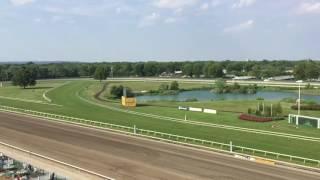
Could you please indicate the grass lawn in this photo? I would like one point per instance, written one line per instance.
(150, 85)
(30, 93)
(72, 105)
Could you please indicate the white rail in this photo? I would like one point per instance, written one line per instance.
(56, 161)
(170, 137)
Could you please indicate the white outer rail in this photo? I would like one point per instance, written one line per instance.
(56, 161)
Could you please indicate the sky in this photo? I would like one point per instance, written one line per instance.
(159, 30)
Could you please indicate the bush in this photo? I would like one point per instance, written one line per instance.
(260, 98)
(191, 100)
(311, 107)
(277, 110)
(174, 85)
(253, 118)
(117, 91)
(163, 87)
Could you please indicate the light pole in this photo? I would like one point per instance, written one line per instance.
(299, 100)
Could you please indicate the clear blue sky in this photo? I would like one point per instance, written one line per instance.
(112, 30)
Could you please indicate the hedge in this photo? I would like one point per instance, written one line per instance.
(312, 107)
(248, 117)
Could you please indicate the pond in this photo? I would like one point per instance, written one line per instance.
(206, 95)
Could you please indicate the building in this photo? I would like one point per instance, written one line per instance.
(244, 77)
(282, 78)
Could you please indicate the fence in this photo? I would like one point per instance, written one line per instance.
(77, 169)
(188, 141)
(304, 120)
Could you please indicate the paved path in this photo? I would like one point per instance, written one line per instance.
(124, 157)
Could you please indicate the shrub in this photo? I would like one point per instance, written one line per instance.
(117, 91)
(248, 117)
(174, 85)
(163, 87)
(260, 98)
(311, 107)
(191, 100)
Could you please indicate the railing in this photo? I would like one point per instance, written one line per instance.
(212, 145)
(78, 169)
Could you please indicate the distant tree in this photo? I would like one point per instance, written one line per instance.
(163, 87)
(117, 91)
(24, 77)
(235, 86)
(138, 69)
(214, 70)
(188, 69)
(3, 75)
(312, 70)
(100, 73)
(306, 70)
(150, 69)
(174, 85)
(220, 86)
(197, 69)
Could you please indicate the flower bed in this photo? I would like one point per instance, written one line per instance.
(249, 117)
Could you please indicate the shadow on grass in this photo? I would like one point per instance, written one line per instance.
(34, 88)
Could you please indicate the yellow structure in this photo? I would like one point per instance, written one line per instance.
(128, 102)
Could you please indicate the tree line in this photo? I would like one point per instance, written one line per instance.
(305, 70)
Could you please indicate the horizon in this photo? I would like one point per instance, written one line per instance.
(144, 61)
(158, 30)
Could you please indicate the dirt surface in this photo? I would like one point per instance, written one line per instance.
(123, 157)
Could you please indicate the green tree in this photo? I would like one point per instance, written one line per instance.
(312, 70)
(163, 87)
(174, 85)
(24, 76)
(100, 73)
(188, 69)
(117, 91)
(220, 86)
(214, 70)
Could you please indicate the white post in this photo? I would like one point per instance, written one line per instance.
(185, 117)
(134, 129)
(289, 119)
(318, 123)
(299, 99)
(231, 146)
(297, 120)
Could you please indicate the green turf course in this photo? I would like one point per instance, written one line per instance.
(30, 93)
(72, 105)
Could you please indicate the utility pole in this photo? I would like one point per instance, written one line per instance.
(299, 100)
(111, 72)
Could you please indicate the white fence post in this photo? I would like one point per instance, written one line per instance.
(231, 150)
